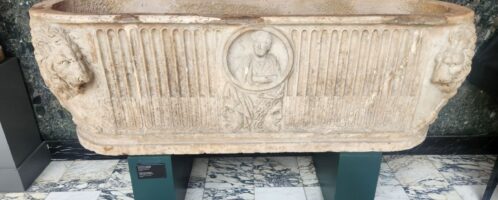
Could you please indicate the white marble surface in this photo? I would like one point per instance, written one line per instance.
(230, 172)
(246, 193)
(275, 178)
(420, 178)
(410, 170)
(287, 193)
(119, 178)
(24, 196)
(90, 195)
(474, 192)
(87, 175)
(54, 171)
(391, 192)
(313, 193)
(194, 194)
(116, 194)
(388, 186)
(436, 188)
(199, 173)
(464, 169)
(307, 171)
(276, 172)
(90, 170)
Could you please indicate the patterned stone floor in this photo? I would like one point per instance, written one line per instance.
(455, 177)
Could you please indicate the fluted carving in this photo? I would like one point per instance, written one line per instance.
(303, 77)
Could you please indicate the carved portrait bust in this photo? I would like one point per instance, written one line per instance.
(258, 62)
(262, 67)
(258, 59)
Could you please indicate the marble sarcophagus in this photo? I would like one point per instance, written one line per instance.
(236, 76)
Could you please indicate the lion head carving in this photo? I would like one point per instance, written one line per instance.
(61, 63)
(453, 64)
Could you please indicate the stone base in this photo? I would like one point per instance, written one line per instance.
(233, 144)
(20, 178)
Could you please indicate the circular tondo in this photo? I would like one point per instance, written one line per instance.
(257, 58)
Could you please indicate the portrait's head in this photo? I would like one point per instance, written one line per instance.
(262, 42)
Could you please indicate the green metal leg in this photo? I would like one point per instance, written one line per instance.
(159, 177)
(348, 176)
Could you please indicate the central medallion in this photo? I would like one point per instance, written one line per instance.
(257, 63)
(258, 58)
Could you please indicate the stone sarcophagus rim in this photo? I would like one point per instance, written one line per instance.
(190, 77)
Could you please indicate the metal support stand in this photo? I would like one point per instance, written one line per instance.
(160, 177)
(348, 176)
(342, 176)
(23, 154)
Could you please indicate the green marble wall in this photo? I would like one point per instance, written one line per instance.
(54, 121)
(470, 112)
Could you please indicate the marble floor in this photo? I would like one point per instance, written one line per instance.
(453, 177)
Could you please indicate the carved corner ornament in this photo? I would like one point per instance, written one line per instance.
(454, 62)
(257, 64)
(62, 64)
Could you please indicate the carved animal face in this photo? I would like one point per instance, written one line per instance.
(449, 67)
(61, 62)
(232, 120)
(454, 62)
(68, 65)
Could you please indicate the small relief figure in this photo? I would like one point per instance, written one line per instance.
(256, 111)
(453, 64)
(61, 62)
(252, 111)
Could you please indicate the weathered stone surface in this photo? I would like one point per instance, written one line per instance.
(250, 76)
(471, 112)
